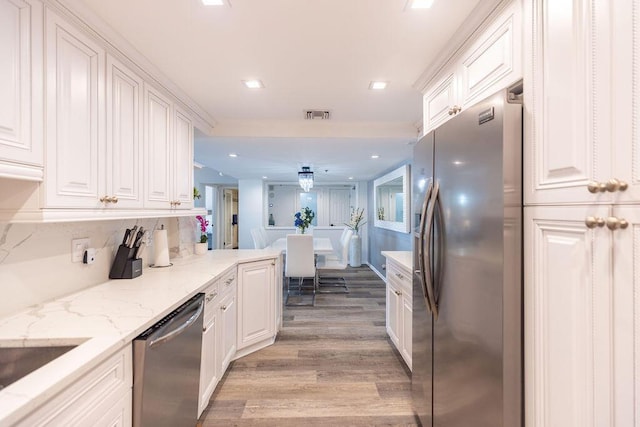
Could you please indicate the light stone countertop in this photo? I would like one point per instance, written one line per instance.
(103, 319)
(404, 258)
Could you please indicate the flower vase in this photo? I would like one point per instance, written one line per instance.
(201, 248)
(355, 251)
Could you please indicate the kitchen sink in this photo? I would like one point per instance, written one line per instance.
(17, 362)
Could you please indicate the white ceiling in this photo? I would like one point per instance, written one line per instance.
(318, 54)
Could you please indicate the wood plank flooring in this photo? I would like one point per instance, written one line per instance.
(331, 365)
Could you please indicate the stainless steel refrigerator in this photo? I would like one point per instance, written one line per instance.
(467, 286)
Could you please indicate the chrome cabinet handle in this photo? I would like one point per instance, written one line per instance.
(114, 199)
(397, 293)
(109, 199)
(614, 223)
(596, 187)
(223, 308)
(211, 296)
(593, 222)
(454, 110)
(399, 276)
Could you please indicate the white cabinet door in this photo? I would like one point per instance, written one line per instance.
(20, 85)
(227, 311)
(75, 112)
(124, 148)
(567, 100)
(208, 365)
(439, 102)
(493, 62)
(183, 161)
(407, 322)
(394, 307)
(626, 335)
(625, 77)
(568, 318)
(158, 149)
(256, 294)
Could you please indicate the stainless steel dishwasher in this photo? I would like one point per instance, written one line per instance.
(166, 368)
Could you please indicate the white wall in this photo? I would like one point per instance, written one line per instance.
(250, 210)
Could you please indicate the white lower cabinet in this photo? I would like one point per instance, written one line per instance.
(399, 308)
(208, 364)
(570, 326)
(226, 332)
(101, 398)
(256, 293)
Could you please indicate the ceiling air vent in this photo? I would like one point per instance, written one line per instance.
(317, 115)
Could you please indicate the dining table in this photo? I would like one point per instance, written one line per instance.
(321, 245)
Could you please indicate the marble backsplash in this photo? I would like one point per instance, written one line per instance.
(35, 259)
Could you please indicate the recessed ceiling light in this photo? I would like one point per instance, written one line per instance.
(220, 173)
(378, 85)
(264, 177)
(375, 156)
(350, 177)
(253, 84)
(215, 2)
(419, 4)
(233, 155)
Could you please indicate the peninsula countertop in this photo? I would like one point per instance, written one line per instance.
(102, 319)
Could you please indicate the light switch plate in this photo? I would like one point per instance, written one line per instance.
(78, 246)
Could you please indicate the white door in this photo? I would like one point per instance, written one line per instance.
(124, 148)
(230, 234)
(568, 317)
(75, 105)
(339, 207)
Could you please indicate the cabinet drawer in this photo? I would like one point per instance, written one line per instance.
(400, 276)
(228, 280)
(91, 398)
(211, 297)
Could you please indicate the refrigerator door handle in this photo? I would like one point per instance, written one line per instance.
(427, 262)
(421, 255)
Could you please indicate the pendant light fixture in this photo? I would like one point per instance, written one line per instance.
(305, 178)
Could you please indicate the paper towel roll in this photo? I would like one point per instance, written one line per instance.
(160, 249)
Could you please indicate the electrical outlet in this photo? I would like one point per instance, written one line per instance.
(78, 246)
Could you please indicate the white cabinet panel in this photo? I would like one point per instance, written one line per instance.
(21, 86)
(124, 151)
(226, 346)
(208, 365)
(101, 398)
(183, 164)
(567, 99)
(626, 336)
(394, 307)
(75, 105)
(439, 101)
(407, 329)
(158, 149)
(568, 315)
(256, 294)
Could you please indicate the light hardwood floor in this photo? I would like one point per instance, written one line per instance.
(331, 365)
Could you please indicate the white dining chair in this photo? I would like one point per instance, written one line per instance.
(333, 283)
(258, 239)
(263, 236)
(300, 264)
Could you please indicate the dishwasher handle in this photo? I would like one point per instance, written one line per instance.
(180, 329)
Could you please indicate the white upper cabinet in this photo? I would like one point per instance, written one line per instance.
(168, 153)
(487, 64)
(21, 141)
(75, 112)
(183, 165)
(158, 149)
(124, 148)
(581, 96)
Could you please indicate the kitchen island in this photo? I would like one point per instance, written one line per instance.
(102, 320)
